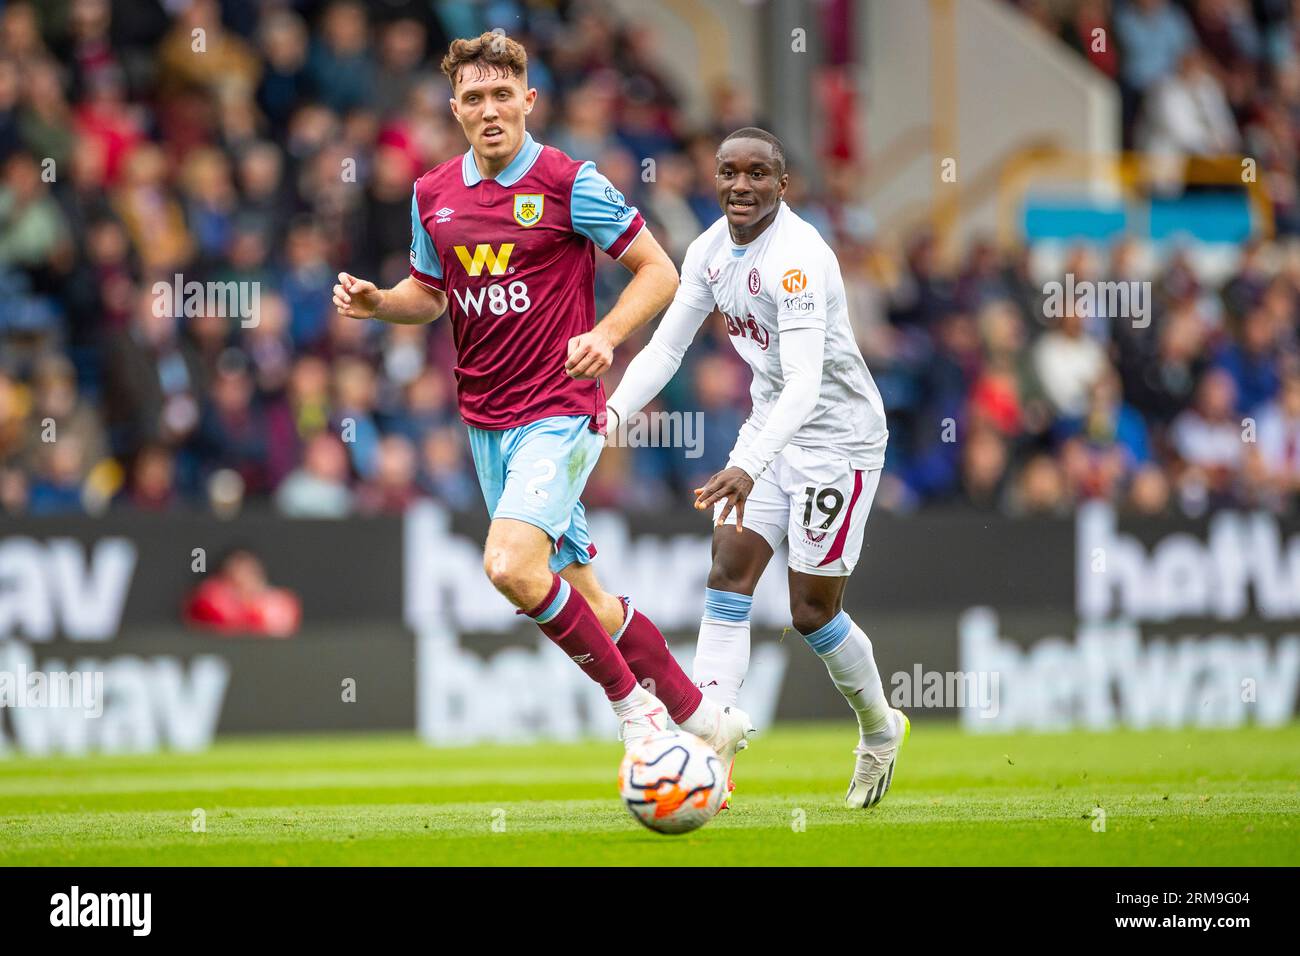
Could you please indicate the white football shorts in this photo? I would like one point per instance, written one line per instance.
(819, 502)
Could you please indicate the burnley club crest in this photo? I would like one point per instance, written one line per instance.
(528, 208)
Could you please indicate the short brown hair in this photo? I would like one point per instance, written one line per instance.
(487, 50)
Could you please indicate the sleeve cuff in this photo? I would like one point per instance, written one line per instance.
(427, 280)
(751, 467)
(619, 245)
(799, 324)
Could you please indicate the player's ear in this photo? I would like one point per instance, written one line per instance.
(529, 99)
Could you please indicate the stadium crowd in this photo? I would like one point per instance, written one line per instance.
(285, 151)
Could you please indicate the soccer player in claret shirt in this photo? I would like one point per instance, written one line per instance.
(504, 238)
(808, 459)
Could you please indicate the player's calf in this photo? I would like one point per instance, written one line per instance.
(847, 653)
(724, 728)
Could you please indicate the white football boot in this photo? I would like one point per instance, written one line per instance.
(731, 736)
(649, 717)
(874, 771)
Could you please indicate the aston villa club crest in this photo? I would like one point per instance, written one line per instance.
(528, 208)
(754, 282)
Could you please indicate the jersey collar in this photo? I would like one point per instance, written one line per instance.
(739, 252)
(522, 162)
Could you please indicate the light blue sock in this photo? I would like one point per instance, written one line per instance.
(846, 652)
(722, 651)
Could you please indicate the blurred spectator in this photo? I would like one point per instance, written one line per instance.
(1187, 114)
(33, 231)
(57, 477)
(1208, 439)
(1278, 444)
(238, 599)
(234, 430)
(353, 418)
(15, 409)
(1088, 29)
(153, 480)
(1149, 493)
(443, 474)
(984, 473)
(392, 489)
(341, 70)
(59, 413)
(1068, 362)
(153, 217)
(283, 41)
(319, 488)
(155, 383)
(1253, 362)
(1161, 30)
(1040, 489)
(226, 59)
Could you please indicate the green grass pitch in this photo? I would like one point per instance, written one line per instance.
(1185, 797)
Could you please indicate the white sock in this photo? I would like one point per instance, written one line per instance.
(703, 723)
(722, 651)
(639, 700)
(846, 652)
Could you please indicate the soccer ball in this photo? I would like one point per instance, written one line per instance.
(672, 782)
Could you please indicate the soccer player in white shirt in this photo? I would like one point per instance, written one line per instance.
(807, 462)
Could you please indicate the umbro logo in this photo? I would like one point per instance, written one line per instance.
(444, 214)
(582, 658)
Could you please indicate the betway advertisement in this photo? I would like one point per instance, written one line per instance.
(1093, 621)
(96, 655)
(1195, 626)
(1007, 625)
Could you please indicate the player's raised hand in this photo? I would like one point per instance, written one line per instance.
(357, 298)
(733, 484)
(590, 355)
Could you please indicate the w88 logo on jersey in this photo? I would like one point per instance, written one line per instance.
(497, 299)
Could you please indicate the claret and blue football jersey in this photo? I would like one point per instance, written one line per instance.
(515, 256)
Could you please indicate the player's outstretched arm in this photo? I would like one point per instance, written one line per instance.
(407, 303)
(656, 364)
(802, 353)
(654, 280)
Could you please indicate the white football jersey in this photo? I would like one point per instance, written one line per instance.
(788, 278)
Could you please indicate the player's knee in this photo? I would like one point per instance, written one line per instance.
(724, 577)
(509, 574)
(810, 615)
